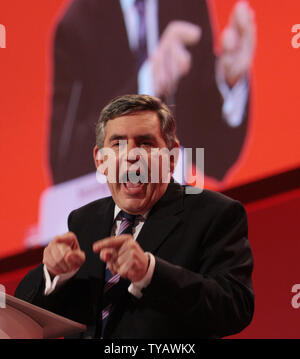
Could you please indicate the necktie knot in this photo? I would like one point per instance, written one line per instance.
(127, 223)
(128, 217)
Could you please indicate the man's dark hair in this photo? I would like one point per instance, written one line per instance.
(130, 104)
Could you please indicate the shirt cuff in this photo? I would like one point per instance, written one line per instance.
(145, 79)
(135, 288)
(57, 281)
(235, 99)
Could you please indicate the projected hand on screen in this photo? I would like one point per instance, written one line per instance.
(238, 42)
(172, 60)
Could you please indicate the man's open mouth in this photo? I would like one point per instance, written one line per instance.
(133, 182)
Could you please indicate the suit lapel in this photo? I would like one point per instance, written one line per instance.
(101, 228)
(155, 231)
(104, 218)
(162, 219)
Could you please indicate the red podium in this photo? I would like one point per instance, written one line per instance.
(22, 320)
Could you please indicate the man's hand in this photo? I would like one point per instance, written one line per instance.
(238, 43)
(171, 59)
(124, 256)
(63, 255)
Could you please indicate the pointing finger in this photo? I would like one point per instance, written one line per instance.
(110, 242)
(69, 239)
(107, 254)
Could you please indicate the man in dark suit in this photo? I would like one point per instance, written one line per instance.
(183, 270)
(94, 62)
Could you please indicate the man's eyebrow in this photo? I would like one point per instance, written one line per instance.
(117, 137)
(146, 136)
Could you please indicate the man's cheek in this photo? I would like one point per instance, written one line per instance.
(161, 168)
(154, 168)
(108, 164)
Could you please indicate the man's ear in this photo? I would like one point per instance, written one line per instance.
(174, 159)
(98, 158)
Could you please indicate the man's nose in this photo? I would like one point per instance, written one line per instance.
(133, 153)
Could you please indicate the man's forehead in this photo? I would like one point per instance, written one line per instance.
(141, 116)
(144, 123)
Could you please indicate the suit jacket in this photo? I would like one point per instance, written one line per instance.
(201, 286)
(93, 63)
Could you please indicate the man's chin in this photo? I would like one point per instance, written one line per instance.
(133, 206)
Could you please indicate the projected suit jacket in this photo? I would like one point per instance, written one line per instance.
(201, 286)
(93, 63)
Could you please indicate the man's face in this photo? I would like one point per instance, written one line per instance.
(139, 131)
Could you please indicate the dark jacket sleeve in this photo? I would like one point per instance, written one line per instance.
(218, 299)
(32, 286)
(72, 299)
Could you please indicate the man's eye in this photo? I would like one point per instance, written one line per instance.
(119, 144)
(146, 144)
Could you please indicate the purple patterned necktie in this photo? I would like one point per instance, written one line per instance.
(111, 280)
(141, 52)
